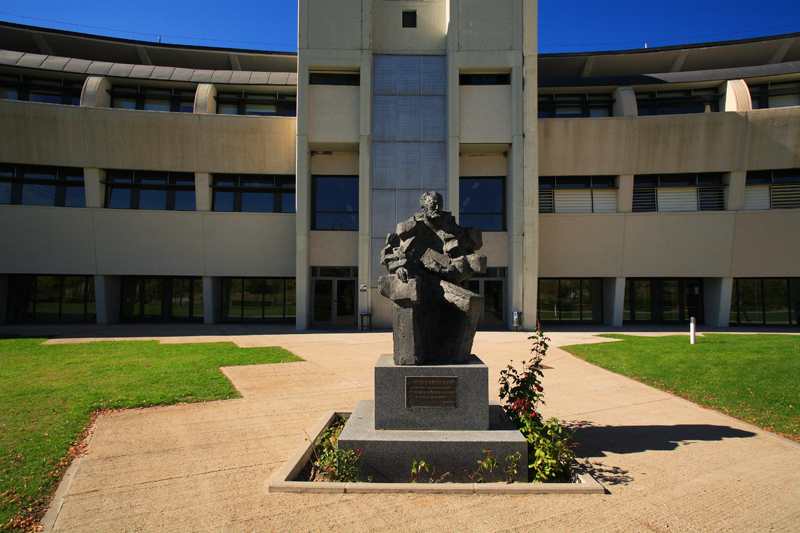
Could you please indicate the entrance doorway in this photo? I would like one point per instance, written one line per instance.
(492, 288)
(663, 301)
(334, 298)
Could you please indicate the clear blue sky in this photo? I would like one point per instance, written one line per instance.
(576, 26)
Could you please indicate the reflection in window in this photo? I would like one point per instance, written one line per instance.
(570, 300)
(42, 90)
(770, 95)
(767, 301)
(42, 186)
(50, 299)
(259, 299)
(161, 299)
(152, 98)
(575, 105)
(258, 104)
(149, 190)
(482, 203)
(253, 193)
(659, 300)
(335, 203)
(678, 102)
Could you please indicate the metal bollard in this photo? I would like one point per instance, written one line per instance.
(691, 330)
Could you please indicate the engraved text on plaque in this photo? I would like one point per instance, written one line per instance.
(431, 391)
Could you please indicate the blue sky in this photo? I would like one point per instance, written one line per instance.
(575, 26)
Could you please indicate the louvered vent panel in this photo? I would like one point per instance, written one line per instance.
(573, 201)
(644, 200)
(677, 199)
(604, 201)
(711, 198)
(756, 197)
(546, 201)
(786, 196)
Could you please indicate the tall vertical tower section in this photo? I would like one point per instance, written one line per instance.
(414, 124)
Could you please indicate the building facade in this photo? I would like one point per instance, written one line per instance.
(148, 182)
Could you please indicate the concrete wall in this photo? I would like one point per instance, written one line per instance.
(334, 248)
(705, 142)
(333, 114)
(489, 25)
(72, 136)
(389, 36)
(688, 244)
(53, 240)
(484, 113)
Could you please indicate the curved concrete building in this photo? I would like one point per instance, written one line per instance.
(152, 182)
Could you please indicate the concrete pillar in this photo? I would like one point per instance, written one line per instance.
(530, 169)
(734, 192)
(205, 101)
(3, 298)
(303, 196)
(515, 186)
(95, 92)
(717, 301)
(107, 290)
(202, 191)
(453, 139)
(93, 187)
(364, 184)
(735, 96)
(613, 300)
(624, 193)
(624, 103)
(212, 300)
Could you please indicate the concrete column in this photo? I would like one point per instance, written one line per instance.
(624, 193)
(717, 301)
(530, 170)
(202, 191)
(515, 187)
(3, 298)
(212, 299)
(453, 139)
(364, 183)
(624, 103)
(93, 188)
(107, 290)
(303, 233)
(205, 101)
(613, 300)
(735, 96)
(95, 92)
(734, 192)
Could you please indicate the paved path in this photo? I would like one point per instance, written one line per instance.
(667, 464)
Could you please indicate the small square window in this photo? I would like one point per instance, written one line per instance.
(409, 19)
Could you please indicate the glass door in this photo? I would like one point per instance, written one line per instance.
(335, 300)
(493, 293)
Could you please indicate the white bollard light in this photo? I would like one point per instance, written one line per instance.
(691, 330)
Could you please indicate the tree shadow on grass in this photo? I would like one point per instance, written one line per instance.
(596, 441)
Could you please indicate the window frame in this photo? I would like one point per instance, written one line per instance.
(25, 85)
(652, 103)
(284, 106)
(761, 93)
(139, 94)
(502, 213)
(335, 78)
(550, 103)
(136, 186)
(279, 186)
(61, 181)
(315, 209)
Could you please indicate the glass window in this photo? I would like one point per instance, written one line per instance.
(670, 300)
(335, 203)
(152, 98)
(482, 203)
(50, 298)
(571, 300)
(334, 78)
(162, 299)
(678, 102)
(776, 301)
(253, 193)
(42, 186)
(258, 299)
(575, 105)
(148, 190)
(257, 104)
(751, 301)
(641, 292)
(42, 90)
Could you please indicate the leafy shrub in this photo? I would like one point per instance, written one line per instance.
(331, 463)
(550, 452)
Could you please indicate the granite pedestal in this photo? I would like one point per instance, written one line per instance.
(439, 414)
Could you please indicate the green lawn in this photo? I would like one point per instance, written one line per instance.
(755, 378)
(49, 393)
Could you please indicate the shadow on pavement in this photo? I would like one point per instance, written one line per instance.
(596, 441)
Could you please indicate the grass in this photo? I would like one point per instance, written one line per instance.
(755, 378)
(49, 393)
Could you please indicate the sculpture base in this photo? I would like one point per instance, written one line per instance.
(388, 456)
(441, 397)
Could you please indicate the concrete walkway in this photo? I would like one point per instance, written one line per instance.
(667, 464)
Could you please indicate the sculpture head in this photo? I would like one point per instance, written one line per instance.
(431, 204)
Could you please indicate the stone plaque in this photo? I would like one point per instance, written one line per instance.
(431, 391)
